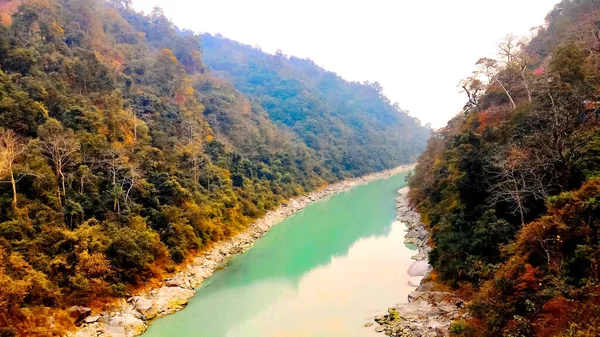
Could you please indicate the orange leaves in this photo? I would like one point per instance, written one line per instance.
(490, 118)
(554, 317)
(57, 29)
(94, 266)
(166, 54)
(516, 156)
(540, 232)
(246, 107)
(5, 19)
(41, 3)
(6, 10)
(528, 281)
(184, 93)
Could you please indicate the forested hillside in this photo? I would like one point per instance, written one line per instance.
(352, 126)
(121, 154)
(510, 189)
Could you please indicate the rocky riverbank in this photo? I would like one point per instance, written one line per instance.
(428, 312)
(130, 317)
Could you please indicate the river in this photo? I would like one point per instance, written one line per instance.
(324, 272)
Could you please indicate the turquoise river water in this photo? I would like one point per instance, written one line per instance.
(324, 272)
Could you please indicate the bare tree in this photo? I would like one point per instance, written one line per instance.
(114, 163)
(472, 86)
(523, 60)
(11, 148)
(84, 174)
(561, 126)
(508, 48)
(518, 53)
(489, 67)
(60, 146)
(516, 179)
(132, 179)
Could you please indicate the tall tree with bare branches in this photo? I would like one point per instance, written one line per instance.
(12, 147)
(495, 75)
(518, 53)
(61, 148)
(515, 180)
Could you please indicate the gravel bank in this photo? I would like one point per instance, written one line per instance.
(428, 312)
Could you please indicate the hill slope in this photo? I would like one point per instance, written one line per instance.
(121, 154)
(352, 126)
(510, 189)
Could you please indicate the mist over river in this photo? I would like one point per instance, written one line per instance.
(324, 272)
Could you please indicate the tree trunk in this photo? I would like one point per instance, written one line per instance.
(64, 189)
(134, 127)
(521, 210)
(526, 85)
(58, 174)
(127, 194)
(14, 187)
(512, 102)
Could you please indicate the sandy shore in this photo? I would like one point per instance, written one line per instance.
(131, 317)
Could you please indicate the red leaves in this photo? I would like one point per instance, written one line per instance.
(555, 317)
(528, 281)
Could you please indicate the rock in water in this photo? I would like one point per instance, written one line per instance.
(418, 268)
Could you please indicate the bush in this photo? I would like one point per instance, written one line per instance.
(461, 328)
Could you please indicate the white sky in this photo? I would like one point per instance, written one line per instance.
(418, 50)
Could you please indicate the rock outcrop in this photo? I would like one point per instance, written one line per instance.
(78, 313)
(428, 313)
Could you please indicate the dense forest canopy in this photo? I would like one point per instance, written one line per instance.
(352, 126)
(510, 189)
(121, 153)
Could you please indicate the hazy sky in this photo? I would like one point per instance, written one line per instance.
(418, 50)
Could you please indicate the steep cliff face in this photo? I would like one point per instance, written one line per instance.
(509, 188)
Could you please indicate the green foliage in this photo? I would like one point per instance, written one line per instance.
(461, 328)
(510, 193)
(137, 156)
(353, 127)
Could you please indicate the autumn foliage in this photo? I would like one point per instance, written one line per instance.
(122, 155)
(510, 188)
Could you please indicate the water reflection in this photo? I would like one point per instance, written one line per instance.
(338, 298)
(324, 272)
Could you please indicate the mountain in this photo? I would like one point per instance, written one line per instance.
(510, 188)
(352, 126)
(122, 153)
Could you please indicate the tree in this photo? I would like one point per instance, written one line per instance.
(11, 148)
(508, 48)
(518, 54)
(121, 4)
(515, 179)
(561, 123)
(61, 148)
(489, 67)
(115, 166)
(472, 86)
(132, 179)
